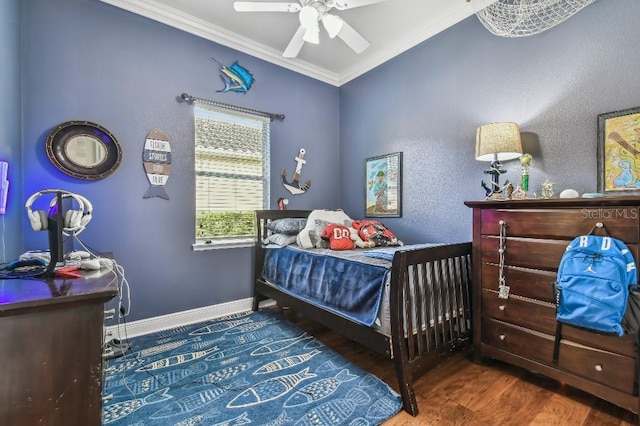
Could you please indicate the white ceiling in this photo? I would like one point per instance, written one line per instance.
(391, 27)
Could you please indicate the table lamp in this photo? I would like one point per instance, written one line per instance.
(497, 142)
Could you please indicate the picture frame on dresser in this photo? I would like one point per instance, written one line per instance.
(383, 185)
(618, 146)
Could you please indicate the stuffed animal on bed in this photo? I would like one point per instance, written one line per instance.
(376, 232)
(309, 236)
(342, 237)
(339, 237)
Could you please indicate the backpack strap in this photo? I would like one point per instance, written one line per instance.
(556, 343)
(637, 372)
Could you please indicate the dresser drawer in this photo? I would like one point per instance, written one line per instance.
(525, 252)
(621, 222)
(526, 282)
(624, 345)
(530, 252)
(527, 313)
(518, 340)
(607, 368)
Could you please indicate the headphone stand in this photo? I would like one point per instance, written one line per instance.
(55, 223)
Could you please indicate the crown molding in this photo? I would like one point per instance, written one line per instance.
(192, 25)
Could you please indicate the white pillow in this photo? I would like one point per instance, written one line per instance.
(330, 216)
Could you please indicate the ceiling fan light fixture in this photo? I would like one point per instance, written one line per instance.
(311, 36)
(308, 17)
(333, 24)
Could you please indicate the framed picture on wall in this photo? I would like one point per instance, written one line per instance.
(383, 186)
(618, 151)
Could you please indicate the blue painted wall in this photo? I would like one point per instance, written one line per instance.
(86, 60)
(10, 126)
(429, 101)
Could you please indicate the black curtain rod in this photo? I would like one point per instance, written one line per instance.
(272, 116)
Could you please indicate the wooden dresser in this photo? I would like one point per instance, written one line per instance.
(51, 336)
(520, 329)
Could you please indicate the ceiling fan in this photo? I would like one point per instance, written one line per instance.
(311, 13)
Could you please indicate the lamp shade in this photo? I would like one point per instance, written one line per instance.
(499, 141)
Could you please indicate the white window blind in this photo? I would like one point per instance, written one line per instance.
(231, 174)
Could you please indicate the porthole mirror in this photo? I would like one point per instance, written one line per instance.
(83, 150)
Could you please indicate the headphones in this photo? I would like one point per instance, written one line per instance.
(74, 220)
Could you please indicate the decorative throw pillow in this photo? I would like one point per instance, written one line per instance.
(372, 230)
(339, 237)
(280, 239)
(288, 226)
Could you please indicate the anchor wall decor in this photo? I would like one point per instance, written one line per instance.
(294, 186)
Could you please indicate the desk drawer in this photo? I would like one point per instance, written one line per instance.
(561, 224)
(527, 313)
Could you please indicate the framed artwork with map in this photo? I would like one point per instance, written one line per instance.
(619, 152)
(383, 186)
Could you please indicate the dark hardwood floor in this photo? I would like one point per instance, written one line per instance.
(461, 392)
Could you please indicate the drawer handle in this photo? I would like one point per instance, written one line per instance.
(502, 307)
(502, 337)
(598, 367)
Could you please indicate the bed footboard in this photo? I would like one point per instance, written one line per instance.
(430, 311)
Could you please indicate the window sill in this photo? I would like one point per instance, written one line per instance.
(223, 244)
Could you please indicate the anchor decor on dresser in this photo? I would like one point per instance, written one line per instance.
(497, 142)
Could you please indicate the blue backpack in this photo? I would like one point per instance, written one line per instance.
(592, 287)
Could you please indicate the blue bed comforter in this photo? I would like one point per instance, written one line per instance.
(345, 286)
(387, 253)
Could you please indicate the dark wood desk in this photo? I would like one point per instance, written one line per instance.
(51, 336)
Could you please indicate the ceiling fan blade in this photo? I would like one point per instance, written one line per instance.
(295, 44)
(353, 39)
(350, 4)
(260, 6)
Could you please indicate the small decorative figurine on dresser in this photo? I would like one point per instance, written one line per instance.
(547, 189)
(509, 190)
(519, 194)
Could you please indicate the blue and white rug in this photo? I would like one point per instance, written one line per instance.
(249, 368)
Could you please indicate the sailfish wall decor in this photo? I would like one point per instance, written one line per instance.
(294, 186)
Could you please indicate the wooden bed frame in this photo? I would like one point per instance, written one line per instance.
(448, 267)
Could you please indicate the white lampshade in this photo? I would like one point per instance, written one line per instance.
(499, 141)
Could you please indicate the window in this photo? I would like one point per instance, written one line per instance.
(231, 173)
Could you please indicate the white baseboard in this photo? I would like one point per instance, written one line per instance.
(179, 319)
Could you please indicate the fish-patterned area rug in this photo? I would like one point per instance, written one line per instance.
(248, 368)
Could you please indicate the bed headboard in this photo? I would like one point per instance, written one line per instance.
(262, 218)
(265, 216)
